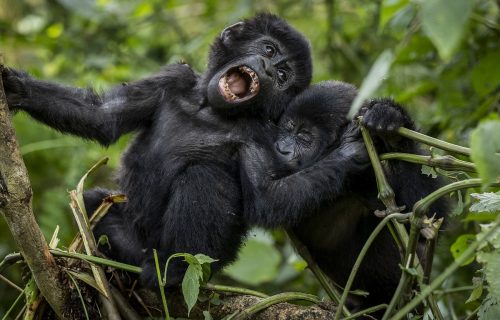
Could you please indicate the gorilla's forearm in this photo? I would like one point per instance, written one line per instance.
(83, 112)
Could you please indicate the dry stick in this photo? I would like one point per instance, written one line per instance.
(316, 270)
(15, 206)
(91, 248)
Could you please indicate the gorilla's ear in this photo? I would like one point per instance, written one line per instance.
(230, 31)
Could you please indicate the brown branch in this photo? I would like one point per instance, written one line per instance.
(15, 207)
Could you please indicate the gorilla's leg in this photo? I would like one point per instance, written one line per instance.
(203, 216)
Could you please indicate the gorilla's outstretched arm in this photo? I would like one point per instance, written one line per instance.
(85, 113)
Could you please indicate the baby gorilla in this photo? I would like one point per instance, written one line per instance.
(335, 221)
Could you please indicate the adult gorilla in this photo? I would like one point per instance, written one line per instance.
(181, 173)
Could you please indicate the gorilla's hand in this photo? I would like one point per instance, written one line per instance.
(383, 117)
(352, 148)
(15, 88)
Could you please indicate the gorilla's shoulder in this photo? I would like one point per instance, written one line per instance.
(179, 76)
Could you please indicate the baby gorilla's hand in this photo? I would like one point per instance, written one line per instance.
(352, 148)
(15, 90)
(383, 117)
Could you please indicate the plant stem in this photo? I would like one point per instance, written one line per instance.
(366, 311)
(279, 298)
(419, 210)
(385, 192)
(362, 254)
(445, 162)
(221, 288)
(467, 254)
(161, 285)
(440, 144)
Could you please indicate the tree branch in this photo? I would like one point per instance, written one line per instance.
(15, 207)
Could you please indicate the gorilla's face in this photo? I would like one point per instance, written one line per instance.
(300, 142)
(251, 69)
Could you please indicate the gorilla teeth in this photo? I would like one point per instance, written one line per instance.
(245, 74)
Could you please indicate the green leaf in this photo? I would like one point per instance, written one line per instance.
(191, 285)
(204, 258)
(459, 208)
(488, 202)
(207, 315)
(372, 81)
(257, 263)
(428, 171)
(460, 245)
(484, 143)
(388, 9)
(444, 21)
(477, 291)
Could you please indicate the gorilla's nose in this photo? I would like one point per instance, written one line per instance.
(284, 147)
(268, 68)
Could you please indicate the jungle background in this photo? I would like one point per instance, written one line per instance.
(446, 70)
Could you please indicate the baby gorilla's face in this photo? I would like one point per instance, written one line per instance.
(299, 143)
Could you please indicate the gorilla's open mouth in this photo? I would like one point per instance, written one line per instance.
(239, 84)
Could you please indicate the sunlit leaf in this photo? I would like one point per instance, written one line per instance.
(445, 22)
(489, 309)
(191, 285)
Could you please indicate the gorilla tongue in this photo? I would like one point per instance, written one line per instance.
(236, 83)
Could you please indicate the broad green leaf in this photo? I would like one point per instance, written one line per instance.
(257, 263)
(492, 271)
(484, 143)
(460, 245)
(191, 285)
(388, 9)
(488, 202)
(489, 309)
(486, 74)
(445, 21)
(373, 80)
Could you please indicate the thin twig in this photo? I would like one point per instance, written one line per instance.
(10, 283)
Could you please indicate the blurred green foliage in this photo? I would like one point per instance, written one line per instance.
(446, 70)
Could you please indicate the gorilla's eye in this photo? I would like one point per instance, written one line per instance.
(281, 76)
(305, 136)
(270, 51)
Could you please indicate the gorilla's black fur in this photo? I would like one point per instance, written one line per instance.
(181, 172)
(332, 211)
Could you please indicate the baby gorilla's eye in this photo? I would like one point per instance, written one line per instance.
(305, 136)
(281, 76)
(270, 51)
